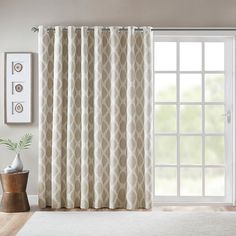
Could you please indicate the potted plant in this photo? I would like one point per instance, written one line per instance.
(23, 144)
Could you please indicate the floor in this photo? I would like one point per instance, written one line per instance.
(11, 223)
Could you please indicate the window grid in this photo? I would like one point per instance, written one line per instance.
(189, 134)
(178, 134)
(178, 119)
(191, 165)
(190, 103)
(187, 72)
(203, 119)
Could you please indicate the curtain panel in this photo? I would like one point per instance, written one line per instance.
(95, 117)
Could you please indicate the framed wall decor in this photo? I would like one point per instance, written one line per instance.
(18, 88)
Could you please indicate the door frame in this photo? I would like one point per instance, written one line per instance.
(231, 35)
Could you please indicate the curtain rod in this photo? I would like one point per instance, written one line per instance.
(36, 29)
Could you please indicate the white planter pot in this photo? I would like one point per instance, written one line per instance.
(16, 165)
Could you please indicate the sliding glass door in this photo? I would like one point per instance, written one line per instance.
(193, 118)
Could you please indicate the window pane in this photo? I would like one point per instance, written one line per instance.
(214, 119)
(190, 56)
(166, 181)
(187, 145)
(214, 56)
(165, 87)
(190, 118)
(214, 150)
(190, 87)
(165, 56)
(165, 118)
(214, 181)
(165, 150)
(191, 181)
(214, 87)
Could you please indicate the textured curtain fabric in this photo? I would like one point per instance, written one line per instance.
(95, 117)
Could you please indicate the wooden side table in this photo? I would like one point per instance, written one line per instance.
(14, 197)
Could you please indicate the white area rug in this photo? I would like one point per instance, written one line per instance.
(125, 223)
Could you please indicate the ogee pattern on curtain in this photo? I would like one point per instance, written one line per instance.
(95, 118)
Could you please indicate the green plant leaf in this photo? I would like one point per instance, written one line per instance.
(9, 144)
(25, 142)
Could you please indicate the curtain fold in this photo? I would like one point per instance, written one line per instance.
(95, 118)
(98, 165)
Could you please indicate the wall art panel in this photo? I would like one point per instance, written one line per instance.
(18, 87)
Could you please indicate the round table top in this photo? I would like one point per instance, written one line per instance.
(16, 173)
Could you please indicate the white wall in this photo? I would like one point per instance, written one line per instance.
(17, 17)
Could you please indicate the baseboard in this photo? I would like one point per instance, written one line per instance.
(33, 199)
(192, 204)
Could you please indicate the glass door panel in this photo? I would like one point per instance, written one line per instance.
(192, 121)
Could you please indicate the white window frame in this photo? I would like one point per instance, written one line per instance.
(213, 34)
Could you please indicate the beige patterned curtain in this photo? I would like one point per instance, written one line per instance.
(95, 117)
